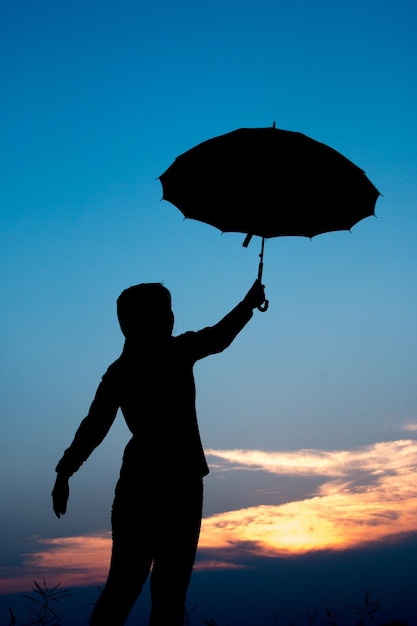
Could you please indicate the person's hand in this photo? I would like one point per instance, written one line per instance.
(256, 295)
(60, 495)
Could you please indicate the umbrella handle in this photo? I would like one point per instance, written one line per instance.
(262, 307)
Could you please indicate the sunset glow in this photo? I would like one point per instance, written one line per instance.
(332, 520)
(75, 561)
(367, 495)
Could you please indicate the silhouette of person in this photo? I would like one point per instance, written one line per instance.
(157, 508)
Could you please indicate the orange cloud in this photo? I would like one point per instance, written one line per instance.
(337, 518)
(74, 561)
(367, 495)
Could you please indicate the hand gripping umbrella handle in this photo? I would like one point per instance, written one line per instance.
(262, 307)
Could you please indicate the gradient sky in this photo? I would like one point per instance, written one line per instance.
(310, 418)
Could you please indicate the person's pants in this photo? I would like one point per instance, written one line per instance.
(155, 527)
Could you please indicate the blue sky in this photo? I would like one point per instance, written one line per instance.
(98, 99)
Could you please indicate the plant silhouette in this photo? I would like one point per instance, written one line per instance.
(157, 508)
(42, 603)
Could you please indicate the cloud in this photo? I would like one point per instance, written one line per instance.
(371, 459)
(74, 561)
(410, 425)
(367, 495)
(335, 519)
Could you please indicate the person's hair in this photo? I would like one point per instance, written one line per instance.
(144, 307)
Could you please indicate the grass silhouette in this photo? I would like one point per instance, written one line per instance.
(42, 606)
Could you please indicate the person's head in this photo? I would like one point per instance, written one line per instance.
(145, 311)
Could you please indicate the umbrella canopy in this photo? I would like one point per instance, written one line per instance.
(269, 182)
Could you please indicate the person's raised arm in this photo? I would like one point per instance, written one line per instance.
(218, 337)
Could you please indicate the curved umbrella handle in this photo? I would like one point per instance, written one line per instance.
(263, 307)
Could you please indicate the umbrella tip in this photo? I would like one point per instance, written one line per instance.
(274, 124)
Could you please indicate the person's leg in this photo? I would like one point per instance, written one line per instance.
(176, 547)
(128, 573)
(130, 563)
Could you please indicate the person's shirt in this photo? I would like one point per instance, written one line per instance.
(153, 384)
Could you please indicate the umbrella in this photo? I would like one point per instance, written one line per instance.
(271, 183)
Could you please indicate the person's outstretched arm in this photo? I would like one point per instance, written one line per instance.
(89, 435)
(217, 338)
